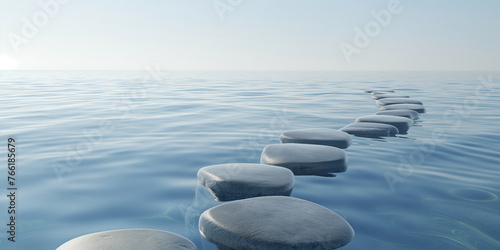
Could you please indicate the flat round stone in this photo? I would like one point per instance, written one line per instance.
(274, 223)
(402, 123)
(416, 107)
(236, 181)
(129, 239)
(390, 101)
(320, 136)
(379, 91)
(306, 159)
(411, 114)
(382, 96)
(370, 129)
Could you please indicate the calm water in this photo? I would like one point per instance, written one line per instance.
(101, 150)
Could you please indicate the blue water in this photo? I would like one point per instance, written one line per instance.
(104, 150)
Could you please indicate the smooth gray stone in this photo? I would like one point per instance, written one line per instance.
(320, 136)
(236, 181)
(306, 159)
(391, 101)
(416, 107)
(369, 129)
(382, 92)
(402, 123)
(129, 239)
(400, 112)
(382, 96)
(378, 91)
(275, 222)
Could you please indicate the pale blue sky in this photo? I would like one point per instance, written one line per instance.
(254, 35)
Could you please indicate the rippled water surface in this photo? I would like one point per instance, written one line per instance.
(104, 150)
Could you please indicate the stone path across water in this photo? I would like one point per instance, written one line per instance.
(260, 214)
(257, 223)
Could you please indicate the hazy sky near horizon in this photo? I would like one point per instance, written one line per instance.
(250, 34)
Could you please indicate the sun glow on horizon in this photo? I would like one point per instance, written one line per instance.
(8, 63)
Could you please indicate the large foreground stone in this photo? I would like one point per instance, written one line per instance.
(402, 123)
(411, 114)
(274, 223)
(390, 101)
(416, 107)
(370, 129)
(382, 96)
(236, 181)
(306, 159)
(129, 239)
(320, 136)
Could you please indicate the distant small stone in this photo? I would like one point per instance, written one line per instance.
(416, 107)
(391, 101)
(129, 239)
(378, 91)
(382, 96)
(274, 223)
(382, 92)
(371, 130)
(236, 181)
(402, 123)
(411, 114)
(305, 159)
(320, 136)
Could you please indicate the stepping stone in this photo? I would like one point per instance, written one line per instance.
(370, 129)
(382, 92)
(416, 107)
(275, 222)
(378, 91)
(400, 112)
(320, 136)
(402, 123)
(391, 101)
(382, 96)
(236, 181)
(129, 239)
(306, 159)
